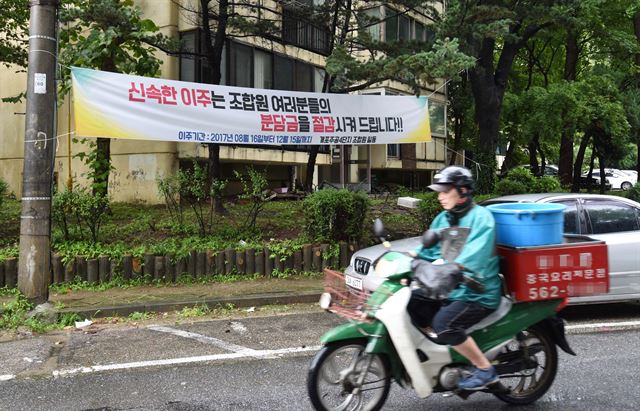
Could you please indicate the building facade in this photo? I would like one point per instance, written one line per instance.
(292, 58)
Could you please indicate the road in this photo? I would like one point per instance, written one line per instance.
(260, 363)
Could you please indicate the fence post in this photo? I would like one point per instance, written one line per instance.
(220, 262)
(70, 271)
(170, 267)
(229, 260)
(268, 262)
(191, 263)
(104, 268)
(251, 260)
(241, 263)
(307, 257)
(147, 269)
(181, 267)
(81, 268)
(159, 268)
(1, 274)
(92, 270)
(317, 259)
(201, 264)
(260, 262)
(344, 255)
(127, 267)
(210, 265)
(324, 250)
(58, 269)
(297, 261)
(11, 272)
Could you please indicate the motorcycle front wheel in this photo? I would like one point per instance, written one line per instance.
(344, 377)
(532, 382)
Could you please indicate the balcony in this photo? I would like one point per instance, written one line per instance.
(297, 31)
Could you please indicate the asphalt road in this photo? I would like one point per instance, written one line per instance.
(261, 364)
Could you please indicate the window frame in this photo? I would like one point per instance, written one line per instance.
(589, 223)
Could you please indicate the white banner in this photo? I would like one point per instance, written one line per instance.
(122, 106)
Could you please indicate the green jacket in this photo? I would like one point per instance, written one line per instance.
(478, 254)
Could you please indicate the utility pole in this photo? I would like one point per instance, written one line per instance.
(39, 151)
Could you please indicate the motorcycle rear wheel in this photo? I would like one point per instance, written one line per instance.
(332, 382)
(530, 384)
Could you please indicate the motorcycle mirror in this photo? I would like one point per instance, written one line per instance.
(430, 238)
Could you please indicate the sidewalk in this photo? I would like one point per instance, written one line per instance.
(122, 302)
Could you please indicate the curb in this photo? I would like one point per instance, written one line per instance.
(248, 301)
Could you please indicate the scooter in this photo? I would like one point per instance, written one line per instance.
(354, 368)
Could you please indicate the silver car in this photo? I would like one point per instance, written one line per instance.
(614, 220)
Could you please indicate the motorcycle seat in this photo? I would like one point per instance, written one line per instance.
(501, 311)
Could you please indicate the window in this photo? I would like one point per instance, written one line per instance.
(299, 31)
(367, 21)
(393, 150)
(262, 69)
(609, 216)
(241, 67)
(195, 68)
(571, 216)
(284, 67)
(400, 27)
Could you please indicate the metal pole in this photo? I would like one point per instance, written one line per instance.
(35, 249)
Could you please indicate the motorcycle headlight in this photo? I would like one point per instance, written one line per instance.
(384, 268)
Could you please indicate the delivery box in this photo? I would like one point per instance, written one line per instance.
(577, 267)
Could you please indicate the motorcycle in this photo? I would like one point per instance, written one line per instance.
(354, 368)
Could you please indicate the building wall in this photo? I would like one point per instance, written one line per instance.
(138, 164)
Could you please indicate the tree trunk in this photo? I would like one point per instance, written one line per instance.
(565, 163)
(457, 140)
(575, 187)
(214, 46)
(102, 167)
(509, 160)
(328, 81)
(636, 29)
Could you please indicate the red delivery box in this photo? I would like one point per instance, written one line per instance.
(577, 267)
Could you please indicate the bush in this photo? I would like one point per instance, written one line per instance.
(547, 184)
(4, 188)
(73, 211)
(428, 208)
(334, 215)
(520, 181)
(634, 193)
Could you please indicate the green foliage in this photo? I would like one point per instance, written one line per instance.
(11, 251)
(4, 189)
(139, 316)
(334, 215)
(254, 190)
(428, 208)
(634, 193)
(169, 189)
(520, 180)
(195, 311)
(75, 211)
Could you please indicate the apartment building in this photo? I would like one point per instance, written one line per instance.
(290, 59)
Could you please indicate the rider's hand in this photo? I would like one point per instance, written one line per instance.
(413, 253)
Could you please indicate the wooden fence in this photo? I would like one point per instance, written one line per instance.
(197, 264)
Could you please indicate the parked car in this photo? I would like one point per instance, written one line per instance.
(549, 169)
(617, 178)
(633, 173)
(614, 220)
(595, 183)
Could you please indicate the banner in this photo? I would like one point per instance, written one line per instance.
(122, 106)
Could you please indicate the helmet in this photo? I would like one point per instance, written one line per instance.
(455, 176)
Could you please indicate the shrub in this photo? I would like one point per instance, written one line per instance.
(78, 209)
(547, 184)
(334, 215)
(4, 188)
(634, 193)
(507, 187)
(254, 189)
(428, 208)
(520, 181)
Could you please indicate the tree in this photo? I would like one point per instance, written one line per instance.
(14, 33)
(494, 32)
(108, 35)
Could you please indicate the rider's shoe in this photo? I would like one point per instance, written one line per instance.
(479, 379)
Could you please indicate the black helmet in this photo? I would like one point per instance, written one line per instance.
(455, 176)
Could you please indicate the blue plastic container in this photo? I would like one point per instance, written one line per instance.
(528, 224)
